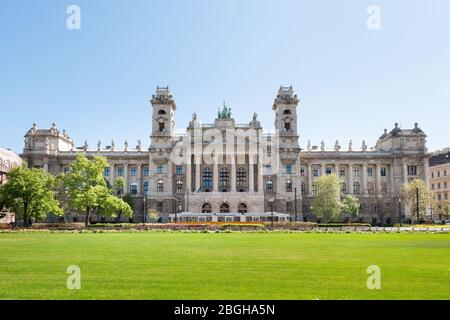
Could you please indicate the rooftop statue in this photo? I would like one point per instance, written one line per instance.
(225, 113)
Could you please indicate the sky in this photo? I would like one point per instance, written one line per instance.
(352, 81)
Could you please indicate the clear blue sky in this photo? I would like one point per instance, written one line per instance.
(352, 82)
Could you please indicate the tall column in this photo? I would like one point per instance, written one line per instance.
(112, 172)
(309, 180)
(336, 170)
(392, 188)
(350, 179)
(188, 177)
(364, 179)
(378, 178)
(251, 175)
(216, 175)
(139, 178)
(260, 167)
(323, 169)
(125, 178)
(405, 172)
(197, 175)
(46, 165)
(425, 173)
(233, 173)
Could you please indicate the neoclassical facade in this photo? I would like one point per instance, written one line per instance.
(227, 167)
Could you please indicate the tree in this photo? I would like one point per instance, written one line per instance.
(445, 209)
(410, 195)
(116, 207)
(327, 204)
(350, 205)
(88, 189)
(118, 186)
(154, 215)
(125, 210)
(30, 193)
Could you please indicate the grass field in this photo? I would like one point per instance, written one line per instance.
(224, 265)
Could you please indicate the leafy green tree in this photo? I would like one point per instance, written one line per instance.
(88, 190)
(445, 209)
(118, 186)
(30, 193)
(350, 205)
(116, 207)
(327, 203)
(425, 197)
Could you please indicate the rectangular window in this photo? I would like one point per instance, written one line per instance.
(370, 172)
(383, 172)
(146, 171)
(134, 172)
(160, 169)
(179, 170)
(328, 171)
(289, 168)
(67, 169)
(106, 171)
(412, 170)
(120, 171)
(302, 172)
(315, 172)
(356, 172)
(342, 172)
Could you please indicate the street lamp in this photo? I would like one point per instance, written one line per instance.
(400, 210)
(271, 210)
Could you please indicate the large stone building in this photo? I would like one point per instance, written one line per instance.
(440, 179)
(8, 160)
(225, 167)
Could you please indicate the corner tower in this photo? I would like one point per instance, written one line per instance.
(163, 115)
(285, 107)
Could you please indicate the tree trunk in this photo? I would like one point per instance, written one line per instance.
(88, 217)
(25, 215)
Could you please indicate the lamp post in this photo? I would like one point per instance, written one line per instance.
(400, 210)
(418, 204)
(271, 210)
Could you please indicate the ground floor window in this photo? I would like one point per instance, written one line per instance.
(224, 208)
(206, 208)
(242, 208)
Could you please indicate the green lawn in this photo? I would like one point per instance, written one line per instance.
(224, 265)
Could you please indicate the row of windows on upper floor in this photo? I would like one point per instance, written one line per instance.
(437, 174)
(316, 171)
(120, 171)
(442, 196)
(439, 186)
(356, 188)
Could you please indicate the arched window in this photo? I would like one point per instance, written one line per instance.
(224, 208)
(303, 188)
(287, 112)
(133, 188)
(159, 186)
(161, 112)
(146, 187)
(242, 208)
(343, 187)
(269, 186)
(206, 208)
(180, 187)
(224, 179)
(287, 124)
(289, 185)
(356, 188)
(207, 179)
(241, 179)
